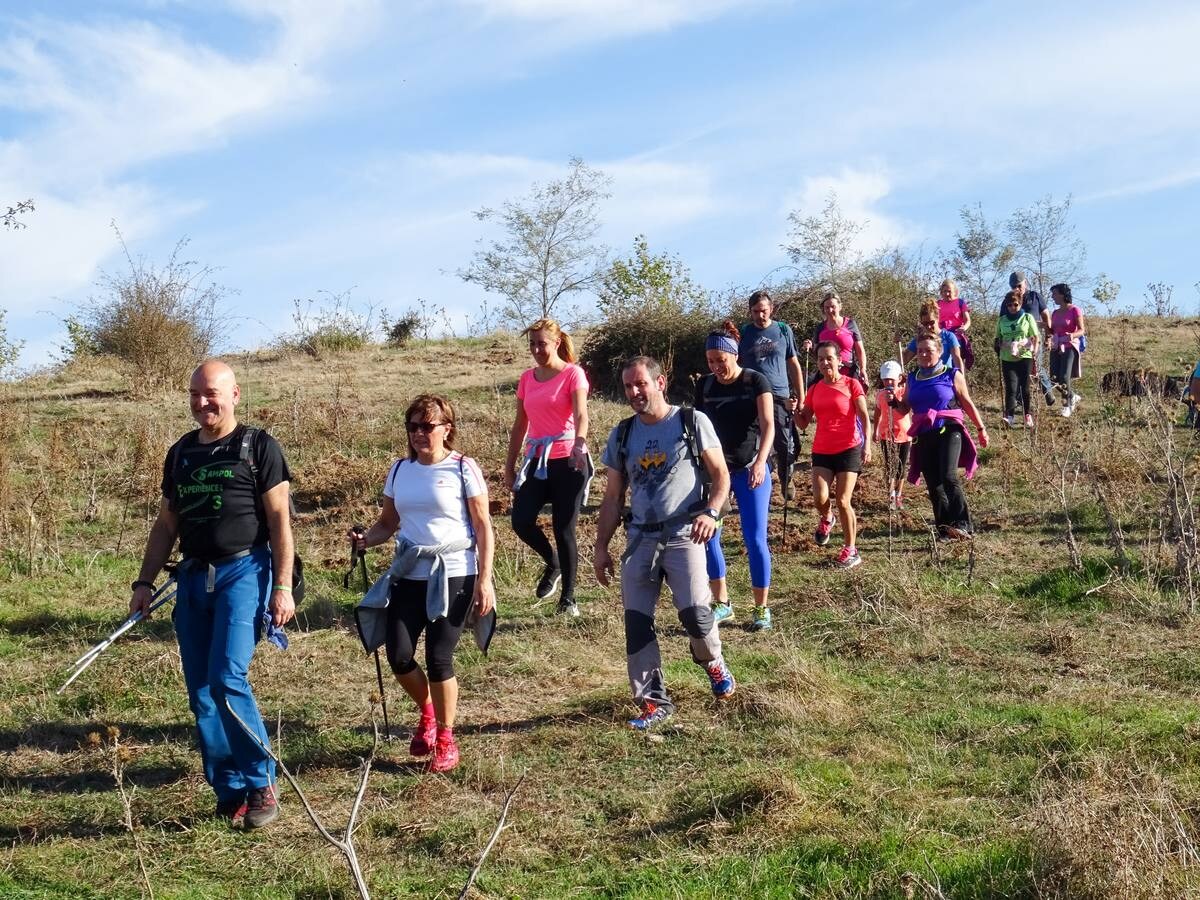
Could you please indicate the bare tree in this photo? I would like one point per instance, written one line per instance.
(8, 218)
(822, 246)
(981, 259)
(1159, 299)
(1046, 246)
(548, 250)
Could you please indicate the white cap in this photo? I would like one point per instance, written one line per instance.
(890, 369)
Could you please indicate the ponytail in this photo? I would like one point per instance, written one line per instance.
(566, 346)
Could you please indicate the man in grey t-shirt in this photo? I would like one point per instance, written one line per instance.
(671, 520)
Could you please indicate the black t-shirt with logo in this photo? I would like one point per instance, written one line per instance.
(216, 495)
(733, 409)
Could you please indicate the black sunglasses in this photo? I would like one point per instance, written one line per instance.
(423, 427)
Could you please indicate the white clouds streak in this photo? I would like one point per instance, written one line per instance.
(605, 18)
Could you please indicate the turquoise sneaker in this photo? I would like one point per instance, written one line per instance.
(722, 611)
(762, 619)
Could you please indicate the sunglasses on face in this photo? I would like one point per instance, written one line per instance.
(423, 427)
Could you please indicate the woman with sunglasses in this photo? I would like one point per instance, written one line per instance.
(555, 467)
(438, 500)
(951, 350)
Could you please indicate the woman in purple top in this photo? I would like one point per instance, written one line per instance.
(1067, 330)
(938, 397)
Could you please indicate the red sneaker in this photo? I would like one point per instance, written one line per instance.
(445, 752)
(424, 736)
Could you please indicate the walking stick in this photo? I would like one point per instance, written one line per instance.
(358, 558)
(164, 594)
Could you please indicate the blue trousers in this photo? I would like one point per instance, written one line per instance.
(752, 510)
(217, 631)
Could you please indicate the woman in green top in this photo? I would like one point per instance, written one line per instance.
(1017, 342)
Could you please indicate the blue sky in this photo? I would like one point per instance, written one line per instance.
(308, 146)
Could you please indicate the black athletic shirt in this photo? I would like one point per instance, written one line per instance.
(733, 409)
(215, 494)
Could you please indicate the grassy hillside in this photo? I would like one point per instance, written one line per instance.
(937, 722)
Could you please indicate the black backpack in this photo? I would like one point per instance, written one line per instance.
(246, 454)
(687, 418)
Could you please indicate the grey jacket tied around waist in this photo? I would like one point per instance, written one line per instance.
(538, 449)
(372, 609)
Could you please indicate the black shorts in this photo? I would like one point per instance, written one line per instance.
(846, 461)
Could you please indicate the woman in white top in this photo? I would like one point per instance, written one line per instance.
(439, 502)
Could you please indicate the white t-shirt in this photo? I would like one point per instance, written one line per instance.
(432, 505)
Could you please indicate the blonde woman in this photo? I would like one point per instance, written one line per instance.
(548, 460)
(953, 316)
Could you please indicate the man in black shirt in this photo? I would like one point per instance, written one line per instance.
(225, 497)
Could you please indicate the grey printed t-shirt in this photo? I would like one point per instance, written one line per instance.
(663, 481)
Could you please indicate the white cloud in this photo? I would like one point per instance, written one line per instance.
(859, 193)
(1143, 186)
(595, 19)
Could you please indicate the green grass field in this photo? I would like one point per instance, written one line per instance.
(936, 723)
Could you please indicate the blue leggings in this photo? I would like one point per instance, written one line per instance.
(752, 509)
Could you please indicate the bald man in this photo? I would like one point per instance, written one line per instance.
(225, 498)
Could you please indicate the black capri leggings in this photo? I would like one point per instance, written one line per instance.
(406, 620)
(563, 490)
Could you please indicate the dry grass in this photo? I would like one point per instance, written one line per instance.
(1117, 830)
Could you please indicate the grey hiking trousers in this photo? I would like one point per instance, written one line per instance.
(681, 564)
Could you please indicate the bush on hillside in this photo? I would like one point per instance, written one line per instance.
(674, 337)
(329, 326)
(398, 332)
(160, 321)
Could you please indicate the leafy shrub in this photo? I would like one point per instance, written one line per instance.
(331, 326)
(10, 351)
(673, 336)
(398, 332)
(159, 321)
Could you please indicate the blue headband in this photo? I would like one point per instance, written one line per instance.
(722, 342)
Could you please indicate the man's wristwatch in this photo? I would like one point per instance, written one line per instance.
(715, 514)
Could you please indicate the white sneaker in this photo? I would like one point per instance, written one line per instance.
(1065, 412)
(1028, 420)
(1008, 420)
(1075, 398)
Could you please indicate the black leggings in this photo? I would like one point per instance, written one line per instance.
(939, 451)
(406, 620)
(1016, 384)
(563, 490)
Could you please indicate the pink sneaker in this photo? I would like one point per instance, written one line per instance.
(445, 752)
(424, 737)
(848, 558)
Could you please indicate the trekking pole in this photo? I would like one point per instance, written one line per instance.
(164, 594)
(358, 559)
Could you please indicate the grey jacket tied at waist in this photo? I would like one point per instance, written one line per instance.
(538, 449)
(372, 609)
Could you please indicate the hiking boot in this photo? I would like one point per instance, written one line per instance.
(568, 607)
(1008, 420)
(958, 533)
(262, 807)
(848, 558)
(651, 716)
(722, 611)
(424, 736)
(762, 619)
(1028, 420)
(445, 752)
(821, 535)
(233, 807)
(548, 583)
(720, 678)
